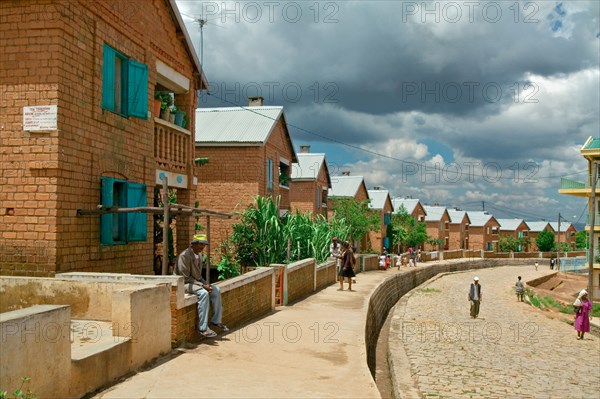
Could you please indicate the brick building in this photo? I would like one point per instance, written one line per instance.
(382, 203)
(535, 228)
(250, 153)
(412, 206)
(567, 234)
(516, 228)
(310, 183)
(90, 71)
(483, 231)
(459, 229)
(347, 186)
(437, 220)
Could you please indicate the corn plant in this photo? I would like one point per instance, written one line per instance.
(261, 237)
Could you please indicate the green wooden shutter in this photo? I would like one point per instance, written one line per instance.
(106, 220)
(137, 89)
(137, 222)
(108, 78)
(386, 219)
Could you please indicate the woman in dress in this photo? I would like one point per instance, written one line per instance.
(583, 308)
(347, 269)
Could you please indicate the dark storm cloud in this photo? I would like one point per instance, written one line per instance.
(379, 59)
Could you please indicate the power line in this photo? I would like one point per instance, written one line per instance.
(360, 148)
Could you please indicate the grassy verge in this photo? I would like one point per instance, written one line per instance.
(428, 290)
(549, 302)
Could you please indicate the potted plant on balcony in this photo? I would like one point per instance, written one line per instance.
(179, 114)
(166, 106)
(186, 120)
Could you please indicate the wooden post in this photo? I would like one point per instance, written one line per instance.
(208, 250)
(593, 211)
(165, 265)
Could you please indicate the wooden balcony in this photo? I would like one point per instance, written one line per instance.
(172, 147)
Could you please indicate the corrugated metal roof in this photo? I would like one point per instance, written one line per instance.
(308, 166)
(235, 124)
(479, 218)
(591, 143)
(345, 186)
(434, 213)
(510, 224)
(457, 216)
(409, 204)
(564, 226)
(378, 199)
(538, 226)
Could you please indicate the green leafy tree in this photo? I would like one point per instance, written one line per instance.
(508, 243)
(405, 231)
(545, 241)
(582, 239)
(358, 217)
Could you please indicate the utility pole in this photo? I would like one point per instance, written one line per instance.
(483, 206)
(558, 247)
(166, 205)
(592, 226)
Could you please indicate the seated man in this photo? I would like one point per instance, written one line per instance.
(189, 265)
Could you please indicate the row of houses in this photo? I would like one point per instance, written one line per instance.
(86, 137)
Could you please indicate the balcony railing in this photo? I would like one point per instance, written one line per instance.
(171, 146)
(569, 184)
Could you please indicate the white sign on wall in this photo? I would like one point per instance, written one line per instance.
(40, 117)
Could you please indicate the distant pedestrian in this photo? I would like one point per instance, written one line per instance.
(536, 265)
(398, 261)
(519, 289)
(583, 308)
(335, 249)
(347, 269)
(474, 297)
(388, 261)
(552, 262)
(419, 255)
(382, 261)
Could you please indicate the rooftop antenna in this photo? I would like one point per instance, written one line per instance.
(201, 21)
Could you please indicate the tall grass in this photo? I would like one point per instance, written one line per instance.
(262, 237)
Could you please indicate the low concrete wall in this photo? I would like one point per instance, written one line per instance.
(301, 279)
(36, 344)
(87, 301)
(537, 281)
(453, 254)
(244, 298)
(326, 274)
(387, 294)
(247, 297)
(139, 315)
(368, 262)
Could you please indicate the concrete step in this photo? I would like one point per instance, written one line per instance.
(91, 337)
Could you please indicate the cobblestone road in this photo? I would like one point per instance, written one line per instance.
(511, 351)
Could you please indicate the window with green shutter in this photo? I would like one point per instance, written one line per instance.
(121, 228)
(124, 84)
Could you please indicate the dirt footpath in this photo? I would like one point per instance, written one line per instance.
(511, 351)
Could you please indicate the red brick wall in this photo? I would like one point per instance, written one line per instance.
(479, 236)
(235, 175)
(300, 282)
(303, 194)
(458, 235)
(52, 54)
